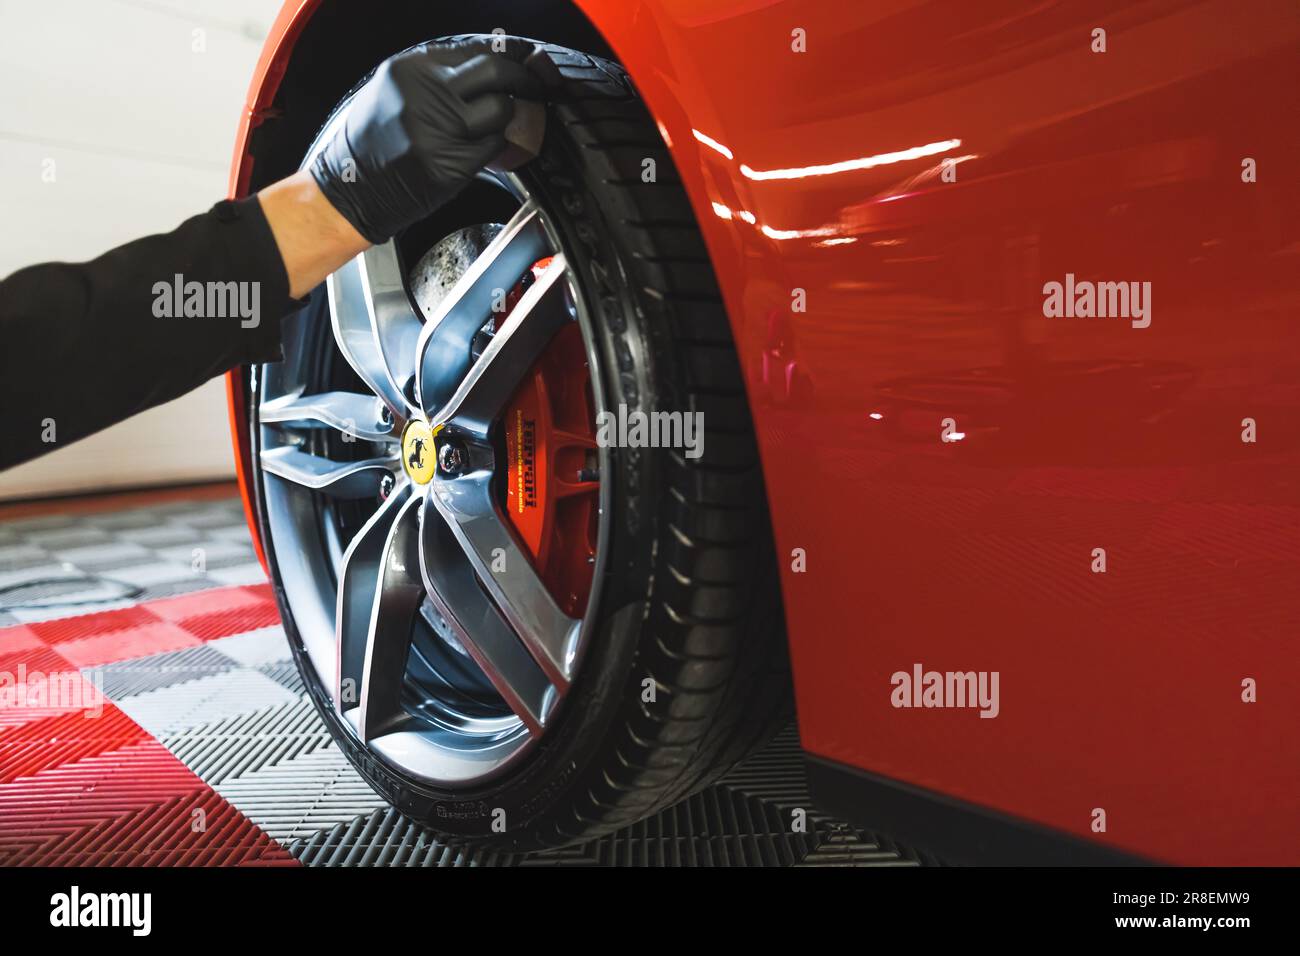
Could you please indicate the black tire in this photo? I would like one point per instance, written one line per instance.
(690, 603)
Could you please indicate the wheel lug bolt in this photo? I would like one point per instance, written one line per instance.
(386, 484)
(451, 458)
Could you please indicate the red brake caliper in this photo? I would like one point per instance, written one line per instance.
(552, 486)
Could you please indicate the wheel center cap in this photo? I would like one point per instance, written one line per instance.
(418, 455)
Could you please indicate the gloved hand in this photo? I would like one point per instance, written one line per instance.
(423, 126)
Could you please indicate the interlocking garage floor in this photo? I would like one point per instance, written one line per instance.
(206, 751)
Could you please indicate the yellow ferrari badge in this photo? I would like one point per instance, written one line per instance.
(419, 457)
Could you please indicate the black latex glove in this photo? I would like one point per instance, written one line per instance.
(423, 126)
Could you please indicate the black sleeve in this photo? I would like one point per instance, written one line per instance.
(83, 346)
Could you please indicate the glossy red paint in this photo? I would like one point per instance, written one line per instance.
(873, 297)
(269, 72)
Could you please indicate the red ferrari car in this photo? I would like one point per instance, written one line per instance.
(813, 368)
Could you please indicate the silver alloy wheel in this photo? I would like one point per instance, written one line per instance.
(437, 555)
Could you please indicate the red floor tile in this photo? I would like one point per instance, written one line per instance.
(92, 625)
(200, 603)
(154, 638)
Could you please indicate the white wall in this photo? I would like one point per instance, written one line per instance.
(134, 114)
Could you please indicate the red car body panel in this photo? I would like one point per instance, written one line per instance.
(818, 180)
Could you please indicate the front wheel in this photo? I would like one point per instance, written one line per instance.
(523, 623)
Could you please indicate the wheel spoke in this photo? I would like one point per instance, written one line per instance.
(444, 347)
(338, 479)
(374, 323)
(467, 505)
(513, 350)
(358, 579)
(398, 595)
(360, 416)
(395, 322)
(478, 625)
